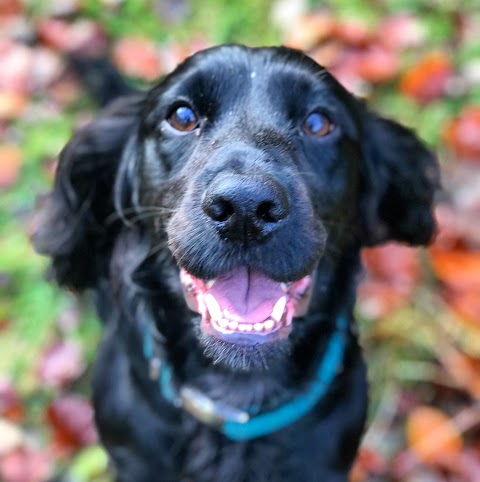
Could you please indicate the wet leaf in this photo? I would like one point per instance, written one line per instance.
(432, 435)
(427, 79)
(71, 417)
(61, 364)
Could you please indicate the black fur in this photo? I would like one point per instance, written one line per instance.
(126, 212)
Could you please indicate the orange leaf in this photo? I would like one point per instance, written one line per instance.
(10, 164)
(432, 435)
(393, 262)
(11, 104)
(462, 134)
(426, 80)
(310, 30)
(464, 370)
(457, 268)
(137, 57)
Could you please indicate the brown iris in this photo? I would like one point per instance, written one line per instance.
(183, 119)
(317, 124)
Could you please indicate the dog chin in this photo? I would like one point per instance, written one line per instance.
(240, 354)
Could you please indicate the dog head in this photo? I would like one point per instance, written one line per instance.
(251, 167)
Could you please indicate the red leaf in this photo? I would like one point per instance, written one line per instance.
(10, 404)
(353, 32)
(400, 32)
(61, 363)
(393, 262)
(377, 64)
(462, 134)
(25, 465)
(82, 36)
(427, 80)
(138, 57)
(71, 418)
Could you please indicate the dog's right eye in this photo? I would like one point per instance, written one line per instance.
(183, 119)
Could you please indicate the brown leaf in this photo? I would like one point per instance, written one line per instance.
(432, 435)
(462, 134)
(10, 164)
(137, 57)
(427, 79)
(71, 418)
(60, 364)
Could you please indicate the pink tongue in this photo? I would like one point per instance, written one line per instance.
(248, 296)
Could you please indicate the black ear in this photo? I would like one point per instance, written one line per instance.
(399, 182)
(76, 223)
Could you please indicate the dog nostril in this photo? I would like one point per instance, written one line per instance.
(265, 212)
(220, 209)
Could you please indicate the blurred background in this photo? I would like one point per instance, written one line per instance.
(419, 310)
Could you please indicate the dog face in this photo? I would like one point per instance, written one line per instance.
(258, 169)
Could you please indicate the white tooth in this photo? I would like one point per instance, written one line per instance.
(284, 287)
(233, 325)
(279, 308)
(213, 306)
(242, 327)
(222, 322)
(210, 283)
(248, 327)
(258, 326)
(269, 324)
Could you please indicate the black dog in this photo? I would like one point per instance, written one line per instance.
(219, 218)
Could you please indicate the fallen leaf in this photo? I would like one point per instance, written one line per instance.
(310, 30)
(427, 79)
(432, 435)
(137, 57)
(16, 66)
(60, 364)
(459, 268)
(71, 418)
(10, 403)
(462, 134)
(353, 32)
(393, 262)
(25, 465)
(83, 36)
(10, 7)
(10, 164)
(400, 32)
(377, 64)
(12, 104)
(464, 370)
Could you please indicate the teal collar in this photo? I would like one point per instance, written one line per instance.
(238, 424)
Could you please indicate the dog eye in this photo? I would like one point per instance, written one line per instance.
(183, 119)
(317, 124)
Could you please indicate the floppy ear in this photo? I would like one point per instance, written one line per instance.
(76, 223)
(399, 182)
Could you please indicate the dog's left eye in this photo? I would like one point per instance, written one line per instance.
(183, 119)
(317, 124)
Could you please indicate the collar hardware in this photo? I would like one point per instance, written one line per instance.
(235, 423)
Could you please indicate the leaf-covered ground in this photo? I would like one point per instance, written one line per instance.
(419, 310)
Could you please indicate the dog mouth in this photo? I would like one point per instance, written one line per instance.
(245, 306)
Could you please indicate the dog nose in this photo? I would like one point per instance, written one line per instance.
(246, 208)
